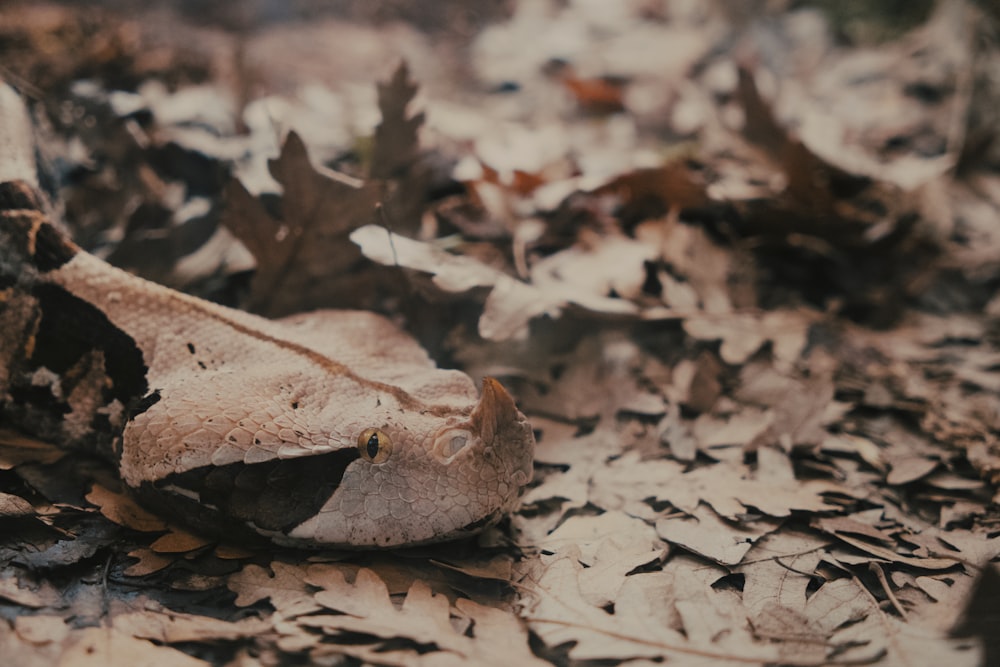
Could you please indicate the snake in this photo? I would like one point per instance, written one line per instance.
(332, 428)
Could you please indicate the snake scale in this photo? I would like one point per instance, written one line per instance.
(332, 428)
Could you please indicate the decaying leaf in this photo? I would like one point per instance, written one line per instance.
(636, 628)
(422, 619)
(175, 628)
(24, 590)
(746, 300)
(148, 562)
(396, 145)
(14, 506)
(99, 647)
(285, 588)
(41, 629)
(124, 511)
(303, 257)
(16, 448)
(706, 534)
(178, 541)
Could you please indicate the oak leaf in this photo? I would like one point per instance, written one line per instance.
(284, 585)
(122, 510)
(170, 627)
(99, 647)
(304, 259)
(425, 619)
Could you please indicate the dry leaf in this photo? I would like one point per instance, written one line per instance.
(674, 185)
(600, 96)
(396, 144)
(778, 572)
(35, 594)
(743, 334)
(100, 647)
(707, 534)
(148, 562)
(178, 541)
(41, 629)
(635, 628)
(304, 259)
(176, 628)
(774, 350)
(908, 469)
(893, 557)
(284, 586)
(452, 273)
(16, 449)
(124, 511)
(726, 487)
(14, 506)
(423, 619)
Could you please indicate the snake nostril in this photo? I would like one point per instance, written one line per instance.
(455, 445)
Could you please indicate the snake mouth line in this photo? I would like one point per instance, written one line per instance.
(479, 524)
(275, 495)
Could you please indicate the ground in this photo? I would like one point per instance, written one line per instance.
(736, 261)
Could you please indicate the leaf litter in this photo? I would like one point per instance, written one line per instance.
(744, 293)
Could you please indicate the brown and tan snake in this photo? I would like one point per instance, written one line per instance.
(332, 428)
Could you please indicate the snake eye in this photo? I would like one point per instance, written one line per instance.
(375, 446)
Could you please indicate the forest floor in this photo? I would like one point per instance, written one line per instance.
(737, 262)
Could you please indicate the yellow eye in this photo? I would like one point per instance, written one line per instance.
(375, 446)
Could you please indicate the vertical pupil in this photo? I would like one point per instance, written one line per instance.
(372, 446)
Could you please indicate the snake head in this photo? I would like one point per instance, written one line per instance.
(428, 477)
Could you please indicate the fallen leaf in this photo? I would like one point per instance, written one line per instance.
(893, 557)
(845, 524)
(396, 145)
(284, 585)
(178, 541)
(148, 562)
(99, 647)
(452, 273)
(304, 258)
(16, 448)
(166, 627)
(423, 618)
(743, 334)
(635, 628)
(909, 469)
(122, 510)
(14, 506)
(874, 634)
(778, 573)
(600, 96)
(41, 629)
(672, 185)
(33, 593)
(724, 486)
(610, 545)
(707, 534)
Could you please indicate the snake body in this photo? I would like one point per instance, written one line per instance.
(331, 428)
